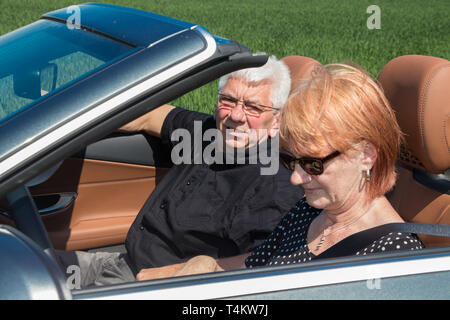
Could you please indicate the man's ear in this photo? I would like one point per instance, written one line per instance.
(216, 109)
(369, 155)
(273, 131)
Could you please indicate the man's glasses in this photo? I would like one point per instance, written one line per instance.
(312, 166)
(250, 108)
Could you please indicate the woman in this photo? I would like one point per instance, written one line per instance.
(340, 139)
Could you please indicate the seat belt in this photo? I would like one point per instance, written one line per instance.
(358, 241)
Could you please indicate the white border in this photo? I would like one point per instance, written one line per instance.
(52, 137)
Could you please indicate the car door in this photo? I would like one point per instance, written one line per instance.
(93, 197)
(421, 274)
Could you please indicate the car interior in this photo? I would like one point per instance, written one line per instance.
(92, 198)
(420, 97)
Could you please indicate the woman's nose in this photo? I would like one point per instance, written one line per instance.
(299, 176)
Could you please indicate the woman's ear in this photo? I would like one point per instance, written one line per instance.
(369, 156)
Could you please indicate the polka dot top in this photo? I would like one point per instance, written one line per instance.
(287, 243)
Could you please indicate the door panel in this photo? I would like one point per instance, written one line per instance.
(129, 148)
(108, 194)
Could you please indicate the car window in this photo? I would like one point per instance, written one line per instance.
(46, 55)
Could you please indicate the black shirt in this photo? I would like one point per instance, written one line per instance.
(218, 210)
(288, 242)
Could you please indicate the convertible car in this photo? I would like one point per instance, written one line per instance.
(70, 181)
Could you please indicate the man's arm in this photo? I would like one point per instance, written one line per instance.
(196, 265)
(150, 122)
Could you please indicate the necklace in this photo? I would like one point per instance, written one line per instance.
(322, 239)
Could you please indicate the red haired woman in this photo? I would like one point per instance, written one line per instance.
(340, 139)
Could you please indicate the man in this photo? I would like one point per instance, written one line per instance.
(218, 208)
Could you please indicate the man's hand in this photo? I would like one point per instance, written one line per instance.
(158, 273)
(196, 265)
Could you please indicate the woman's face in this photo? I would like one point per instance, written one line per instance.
(338, 187)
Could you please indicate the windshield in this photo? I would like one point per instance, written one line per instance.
(46, 55)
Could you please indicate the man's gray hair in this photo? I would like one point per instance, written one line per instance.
(274, 70)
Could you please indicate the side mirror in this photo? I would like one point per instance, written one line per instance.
(32, 83)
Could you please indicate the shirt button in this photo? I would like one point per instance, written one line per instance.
(141, 228)
(163, 205)
(188, 182)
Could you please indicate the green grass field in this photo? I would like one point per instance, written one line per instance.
(326, 30)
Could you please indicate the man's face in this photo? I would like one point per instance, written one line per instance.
(237, 122)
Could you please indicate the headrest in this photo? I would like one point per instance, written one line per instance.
(300, 68)
(418, 88)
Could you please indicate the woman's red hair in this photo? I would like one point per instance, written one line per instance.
(339, 107)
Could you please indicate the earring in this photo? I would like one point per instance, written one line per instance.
(367, 172)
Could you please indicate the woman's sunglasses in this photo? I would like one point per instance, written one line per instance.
(312, 166)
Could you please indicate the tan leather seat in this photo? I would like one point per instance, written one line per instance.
(418, 88)
(300, 68)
